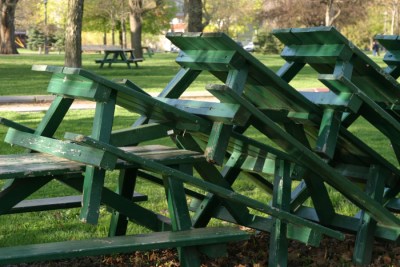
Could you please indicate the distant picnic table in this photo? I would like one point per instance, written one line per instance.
(118, 55)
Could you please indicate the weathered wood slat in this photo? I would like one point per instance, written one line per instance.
(121, 244)
(223, 112)
(42, 164)
(215, 189)
(54, 203)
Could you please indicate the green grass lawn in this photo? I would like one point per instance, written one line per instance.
(16, 78)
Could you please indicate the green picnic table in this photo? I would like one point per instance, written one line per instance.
(118, 56)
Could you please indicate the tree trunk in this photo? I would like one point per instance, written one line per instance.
(7, 28)
(195, 12)
(330, 15)
(105, 37)
(135, 21)
(73, 39)
(123, 32)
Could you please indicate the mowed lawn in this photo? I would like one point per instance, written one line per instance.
(153, 74)
(16, 78)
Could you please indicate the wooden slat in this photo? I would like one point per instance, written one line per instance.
(121, 244)
(215, 189)
(54, 203)
(41, 164)
(308, 159)
(223, 112)
(36, 164)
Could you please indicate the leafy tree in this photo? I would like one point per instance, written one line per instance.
(309, 13)
(7, 28)
(105, 16)
(59, 41)
(158, 11)
(391, 15)
(231, 17)
(268, 43)
(35, 38)
(73, 41)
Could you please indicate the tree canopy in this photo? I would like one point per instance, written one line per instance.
(360, 20)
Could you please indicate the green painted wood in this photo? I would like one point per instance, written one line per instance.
(342, 101)
(211, 204)
(21, 166)
(138, 134)
(394, 205)
(136, 101)
(308, 159)
(262, 85)
(217, 143)
(59, 148)
(179, 213)
(54, 116)
(371, 110)
(134, 212)
(327, 53)
(121, 244)
(76, 86)
(381, 87)
(179, 83)
(211, 174)
(125, 187)
(392, 55)
(289, 70)
(15, 125)
(159, 181)
(94, 176)
(328, 133)
(55, 203)
(350, 224)
(315, 187)
(278, 248)
(220, 112)
(363, 247)
(215, 60)
(213, 188)
(237, 78)
(18, 190)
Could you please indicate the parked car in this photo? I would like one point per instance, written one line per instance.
(249, 47)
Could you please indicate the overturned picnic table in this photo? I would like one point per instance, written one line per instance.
(309, 148)
(118, 55)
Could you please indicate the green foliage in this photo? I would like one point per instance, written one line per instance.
(363, 32)
(59, 41)
(35, 38)
(232, 17)
(156, 20)
(268, 43)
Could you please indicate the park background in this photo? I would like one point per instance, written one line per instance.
(124, 23)
(244, 21)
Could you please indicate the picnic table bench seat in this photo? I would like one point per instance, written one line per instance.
(392, 55)
(42, 165)
(119, 55)
(128, 60)
(121, 244)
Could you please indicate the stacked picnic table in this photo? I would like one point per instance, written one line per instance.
(306, 148)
